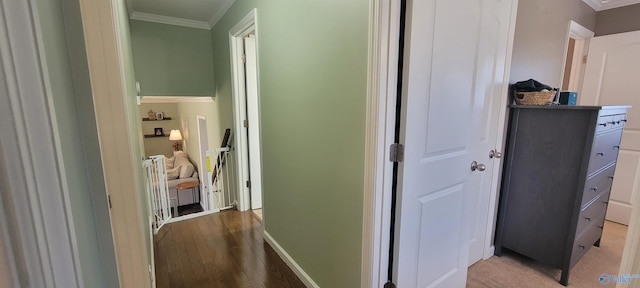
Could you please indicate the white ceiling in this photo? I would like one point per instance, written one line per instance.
(600, 5)
(191, 13)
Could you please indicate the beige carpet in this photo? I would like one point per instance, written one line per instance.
(513, 270)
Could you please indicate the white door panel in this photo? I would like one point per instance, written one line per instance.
(454, 66)
(610, 78)
(253, 121)
(203, 145)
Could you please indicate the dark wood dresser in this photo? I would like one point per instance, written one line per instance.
(559, 167)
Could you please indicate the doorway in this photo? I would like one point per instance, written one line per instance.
(203, 144)
(246, 102)
(576, 57)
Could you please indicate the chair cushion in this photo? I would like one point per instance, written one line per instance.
(186, 170)
(173, 173)
(168, 162)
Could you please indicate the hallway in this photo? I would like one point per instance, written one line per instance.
(219, 250)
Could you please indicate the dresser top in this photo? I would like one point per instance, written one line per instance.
(569, 107)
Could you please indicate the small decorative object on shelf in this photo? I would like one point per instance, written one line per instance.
(157, 131)
(151, 115)
(159, 115)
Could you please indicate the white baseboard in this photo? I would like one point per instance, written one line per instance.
(304, 277)
(491, 251)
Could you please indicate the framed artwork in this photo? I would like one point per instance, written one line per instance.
(159, 115)
(157, 131)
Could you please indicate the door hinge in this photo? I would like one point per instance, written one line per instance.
(584, 59)
(243, 58)
(245, 123)
(396, 152)
(248, 183)
(109, 200)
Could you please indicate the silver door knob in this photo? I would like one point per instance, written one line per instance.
(495, 154)
(475, 166)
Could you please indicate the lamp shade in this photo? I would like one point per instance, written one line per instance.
(175, 135)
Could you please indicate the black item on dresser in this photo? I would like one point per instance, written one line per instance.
(559, 166)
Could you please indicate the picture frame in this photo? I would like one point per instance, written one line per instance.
(159, 115)
(158, 132)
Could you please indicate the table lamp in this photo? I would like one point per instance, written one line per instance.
(177, 137)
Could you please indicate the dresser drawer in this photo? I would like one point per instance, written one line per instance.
(605, 150)
(585, 240)
(597, 183)
(619, 121)
(594, 211)
(604, 123)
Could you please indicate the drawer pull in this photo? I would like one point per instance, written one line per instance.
(617, 146)
(594, 189)
(603, 124)
(601, 227)
(612, 122)
(618, 122)
(588, 219)
(624, 120)
(605, 202)
(600, 153)
(611, 177)
(581, 247)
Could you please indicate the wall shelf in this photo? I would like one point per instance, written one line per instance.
(164, 119)
(154, 136)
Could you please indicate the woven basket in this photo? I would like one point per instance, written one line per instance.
(534, 98)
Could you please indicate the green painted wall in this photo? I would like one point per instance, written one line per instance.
(65, 59)
(312, 67)
(172, 60)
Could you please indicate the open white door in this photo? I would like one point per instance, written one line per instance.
(455, 58)
(253, 121)
(203, 145)
(611, 78)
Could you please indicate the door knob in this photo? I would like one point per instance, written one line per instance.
(475, 166)
(495, 154)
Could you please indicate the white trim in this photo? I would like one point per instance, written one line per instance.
(122, 171)
(236, 45)
(302, 275)
(600, 5)
(582, 36)
(176, 99)
(39, 225)
(141, 16)
(384, 23)
(496, 178)
(218, 15)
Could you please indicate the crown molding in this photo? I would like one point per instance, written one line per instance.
(176, 99)
(169, 20)
(600, 5)
(216, 17)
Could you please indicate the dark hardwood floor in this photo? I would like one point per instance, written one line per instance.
(219, 250)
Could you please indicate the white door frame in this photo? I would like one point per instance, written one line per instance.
(582, 36)
(204, 190)
(243, 28)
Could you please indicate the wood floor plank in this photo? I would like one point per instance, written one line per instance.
(219, 250)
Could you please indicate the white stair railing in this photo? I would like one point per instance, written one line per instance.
(218, 177)
(157, 191)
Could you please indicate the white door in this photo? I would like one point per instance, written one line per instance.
(611, 78)
(253, 121)
(454, 68)
(203, 145)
